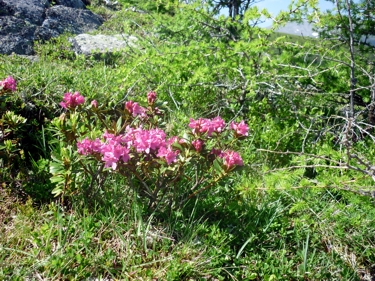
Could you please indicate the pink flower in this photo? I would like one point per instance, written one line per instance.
(108, 136)
(218, 124)
(195, 125)
(94, 103)
(8, 84)
(138, 110)
(156, 138)
(241, 129)
(72, 100)
(113, 153)
(198, 144)
(129, 106)
(151, 97)
(231, 159)
(84, 146)
(207, 125)
(135, 109)
(169, 155)
(130, 135)
(173, 140)
(87, 146)
(142, 141)
(96, 146)
(146, 140)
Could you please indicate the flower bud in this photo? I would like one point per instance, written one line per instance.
(151, 97)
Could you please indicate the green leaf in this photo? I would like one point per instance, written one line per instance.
(119, 124)
(218, 167)
(57, 191)
(56, 168)
(57, 179)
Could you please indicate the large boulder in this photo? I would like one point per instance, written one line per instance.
(60, 19)
(23, 21)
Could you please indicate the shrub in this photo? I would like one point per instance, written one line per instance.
(131, 141)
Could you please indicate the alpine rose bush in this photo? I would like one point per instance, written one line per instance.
(136, 147)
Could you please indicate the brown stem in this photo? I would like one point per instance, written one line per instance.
(205, 187)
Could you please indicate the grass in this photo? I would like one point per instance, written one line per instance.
(260, 236)
(233, 233)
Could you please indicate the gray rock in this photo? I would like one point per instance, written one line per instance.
(23, 21)
(77, 4)
(101, 44)
(15, 44)
(60, 19)
(12, 25)
(5, 9)
(16, 36)
(29, 10)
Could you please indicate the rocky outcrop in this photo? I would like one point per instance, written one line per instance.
(23, 21)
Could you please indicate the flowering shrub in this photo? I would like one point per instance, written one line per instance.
(12, 129)
(160, 168)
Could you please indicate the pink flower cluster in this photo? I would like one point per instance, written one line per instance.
(241, 129)
(231, 158)
(217, 125)
(207, 126)
(135, 109)
(198, 144)
(137, 141)
(152, 143)
(8, 84)
(72, 100)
